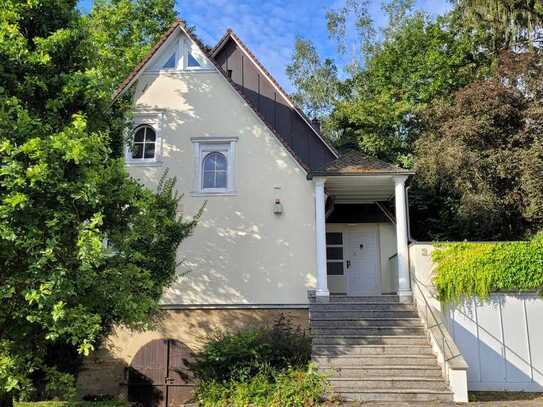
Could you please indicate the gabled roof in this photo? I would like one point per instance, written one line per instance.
(352, 163)
(131, 78)
(178, 24)
(358, 163)
(230, 34)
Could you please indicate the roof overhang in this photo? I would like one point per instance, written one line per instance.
(356, 164)
(315, 174)
(367, 188)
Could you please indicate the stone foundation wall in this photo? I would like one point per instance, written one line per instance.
(104, 372)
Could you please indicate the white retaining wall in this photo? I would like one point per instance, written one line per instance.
(501, 340)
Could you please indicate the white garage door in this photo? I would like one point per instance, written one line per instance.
(501, 340)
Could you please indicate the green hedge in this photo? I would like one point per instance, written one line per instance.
(478, 269)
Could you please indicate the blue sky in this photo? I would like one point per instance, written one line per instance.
(269, 27)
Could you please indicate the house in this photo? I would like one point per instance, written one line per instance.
(289, 224)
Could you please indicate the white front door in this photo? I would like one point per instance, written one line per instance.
(362, 274)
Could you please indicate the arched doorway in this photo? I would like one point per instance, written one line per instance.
(158, 377)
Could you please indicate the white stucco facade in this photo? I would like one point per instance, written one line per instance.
(241, 252)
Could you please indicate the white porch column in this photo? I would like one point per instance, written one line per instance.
(320, 232)
(404, 285)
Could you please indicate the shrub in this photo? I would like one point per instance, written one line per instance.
(265, 366)
(242, 355)
(59, 385)
(290, 388)
(478, 269)
(298, 387)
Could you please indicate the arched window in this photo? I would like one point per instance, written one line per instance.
(144, 143)
(214, 171)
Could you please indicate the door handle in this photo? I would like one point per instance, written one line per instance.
(348, 263)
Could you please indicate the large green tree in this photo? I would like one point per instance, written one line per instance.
(480, 158)
(315, 80)
(446, 97)
(505, 23)
(123, 31)
(83, 247)
(378, 111)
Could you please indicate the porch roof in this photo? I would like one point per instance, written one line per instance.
(356, 163)
(356, 178)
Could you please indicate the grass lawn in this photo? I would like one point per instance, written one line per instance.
(73, 404)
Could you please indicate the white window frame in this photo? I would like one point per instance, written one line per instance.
(176, 61)
(153, 120)
(181, 47)
(343, 260)
(202, 146)
(187, 48)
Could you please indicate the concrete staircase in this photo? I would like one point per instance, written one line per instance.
(375, 349)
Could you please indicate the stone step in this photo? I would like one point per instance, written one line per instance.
(402, 404)
(335, 350)
(361, 323)
(375, 350)
(399, 395)
(349, 384)
(361, 307)
(356, 315)
(369, 331)
(370, 340)
(368, 299)
(375, 360)
(382, 371)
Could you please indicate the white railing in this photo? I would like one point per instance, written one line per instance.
(451, 360)
(449, 356)
(393, 270)
(434, 322)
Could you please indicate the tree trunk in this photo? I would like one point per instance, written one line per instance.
(6, 400)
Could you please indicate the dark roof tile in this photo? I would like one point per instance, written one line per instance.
(358, 163)
(231, 34)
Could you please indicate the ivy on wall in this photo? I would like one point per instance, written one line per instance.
(478, 269)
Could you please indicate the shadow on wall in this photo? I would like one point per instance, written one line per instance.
(147, 368)
(500, 339)
(241, 233)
